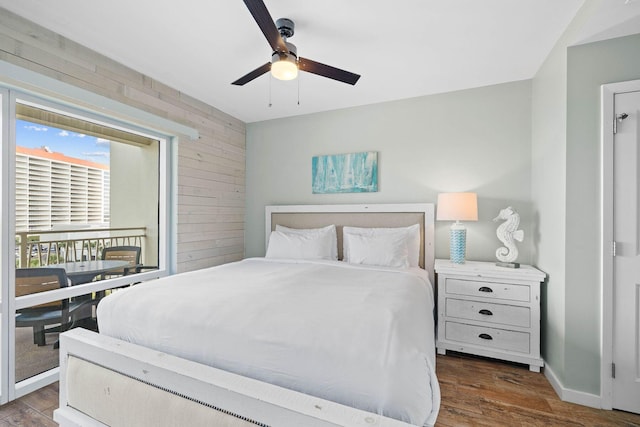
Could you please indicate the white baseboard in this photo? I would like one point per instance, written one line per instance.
(569, 395)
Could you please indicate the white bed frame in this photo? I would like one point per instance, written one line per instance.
(106, 381)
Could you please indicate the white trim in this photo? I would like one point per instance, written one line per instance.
(7, 249)
(9, 201)
(608, 93)
(606, 331)
(36, 382)
(83, 289)
(569, 395)
(553, 380)
(171, 232)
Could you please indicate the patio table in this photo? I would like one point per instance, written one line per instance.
(80, 272)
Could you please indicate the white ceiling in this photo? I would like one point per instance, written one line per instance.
(402, 48)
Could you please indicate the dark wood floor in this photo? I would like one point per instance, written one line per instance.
(32, 410)
(483, 392)
(475, 392)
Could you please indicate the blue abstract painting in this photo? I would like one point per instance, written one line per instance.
(345, 173)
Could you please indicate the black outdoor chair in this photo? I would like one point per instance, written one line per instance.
(131, 254)
(58, 313)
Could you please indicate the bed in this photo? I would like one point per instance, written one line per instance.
(274, 341)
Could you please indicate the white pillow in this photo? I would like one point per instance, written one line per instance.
(411, 233)
(299, 246)
(329, 229)
(387, 250)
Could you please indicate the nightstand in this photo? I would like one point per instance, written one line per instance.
(490, 311)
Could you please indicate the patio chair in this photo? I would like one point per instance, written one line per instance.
(58, 313)
(131, 254)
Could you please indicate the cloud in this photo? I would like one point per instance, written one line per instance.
(36, 128)
(71, 134)
(102, 141)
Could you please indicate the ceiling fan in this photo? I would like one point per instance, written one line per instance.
(285, 62)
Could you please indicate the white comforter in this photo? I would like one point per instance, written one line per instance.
(360, 336)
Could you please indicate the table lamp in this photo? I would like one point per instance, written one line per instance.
(457, 207)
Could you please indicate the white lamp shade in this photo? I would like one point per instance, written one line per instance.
(457, 207)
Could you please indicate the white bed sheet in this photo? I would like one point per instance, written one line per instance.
(357, 335)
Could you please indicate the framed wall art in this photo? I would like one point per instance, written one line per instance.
(345, 173)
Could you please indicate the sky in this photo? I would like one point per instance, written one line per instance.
(72, 144)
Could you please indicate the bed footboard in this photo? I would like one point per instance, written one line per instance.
(106, 381)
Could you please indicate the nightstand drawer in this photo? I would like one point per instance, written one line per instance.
(487, 312)
(488, 337)
(491, 290)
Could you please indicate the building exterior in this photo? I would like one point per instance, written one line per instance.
(57, 191)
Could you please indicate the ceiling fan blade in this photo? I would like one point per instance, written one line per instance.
(253, 74)
(265, 22)
(327, 71)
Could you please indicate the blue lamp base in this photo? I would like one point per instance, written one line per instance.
(457, 243)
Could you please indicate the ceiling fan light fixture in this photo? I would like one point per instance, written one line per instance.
(284, 67)
(285, 63)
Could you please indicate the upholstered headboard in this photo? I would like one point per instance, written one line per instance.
(378, 215)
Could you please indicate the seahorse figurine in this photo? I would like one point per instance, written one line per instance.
(508, 232)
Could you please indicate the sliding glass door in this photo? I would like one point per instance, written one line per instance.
(84, 214)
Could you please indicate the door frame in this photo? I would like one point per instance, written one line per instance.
(167, 156)
(5, 231)
(608, 93)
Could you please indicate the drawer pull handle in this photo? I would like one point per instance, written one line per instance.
(485, 289)
(486, 312)
(485, 336)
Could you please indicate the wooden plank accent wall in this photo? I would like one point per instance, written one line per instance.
(211, 171)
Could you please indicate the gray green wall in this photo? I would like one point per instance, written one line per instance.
(548, 199)
(589, 67)
(472, 140)
(549, 171)
(566, 195)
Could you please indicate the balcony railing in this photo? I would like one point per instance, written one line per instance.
(41, 248)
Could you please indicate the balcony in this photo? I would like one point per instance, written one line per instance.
(80, 187)
(42, 248)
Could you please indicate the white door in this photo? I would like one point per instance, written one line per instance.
(626, 263)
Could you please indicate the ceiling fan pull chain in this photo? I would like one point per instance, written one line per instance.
(270, 78)
(298, 90)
